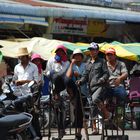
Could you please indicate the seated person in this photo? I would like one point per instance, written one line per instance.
(25, 71)
(117, 74)
(75, 71)
(96, 74)
(57, 67)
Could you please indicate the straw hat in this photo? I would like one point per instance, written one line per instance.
(22, 52)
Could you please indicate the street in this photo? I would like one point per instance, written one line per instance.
(133, 135)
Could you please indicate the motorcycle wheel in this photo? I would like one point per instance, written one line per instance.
(15, 137)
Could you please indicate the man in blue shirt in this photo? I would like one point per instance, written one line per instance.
(75, 71)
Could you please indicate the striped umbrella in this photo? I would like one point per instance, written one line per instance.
(130, 51)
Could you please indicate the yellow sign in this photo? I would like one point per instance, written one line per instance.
(97, 28)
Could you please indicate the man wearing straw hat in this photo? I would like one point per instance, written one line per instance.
(25, 71)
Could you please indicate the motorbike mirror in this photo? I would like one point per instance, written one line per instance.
(31, 84)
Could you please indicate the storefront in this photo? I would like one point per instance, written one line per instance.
(69, 29)
(79, 30)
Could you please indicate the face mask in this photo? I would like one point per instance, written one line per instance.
(57, 58)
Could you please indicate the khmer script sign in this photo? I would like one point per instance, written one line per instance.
(70, 26)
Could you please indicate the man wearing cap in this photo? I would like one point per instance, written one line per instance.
(75, 71)
(96, 74)
(117, 74)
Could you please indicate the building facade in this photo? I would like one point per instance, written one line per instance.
(70, 22)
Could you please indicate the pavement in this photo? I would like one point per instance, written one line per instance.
(132, 134)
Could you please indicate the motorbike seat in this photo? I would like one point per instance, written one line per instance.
(14, 120)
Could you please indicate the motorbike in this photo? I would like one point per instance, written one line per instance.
(12, 126)
(12, 123)
(23, 101)
(44, 118)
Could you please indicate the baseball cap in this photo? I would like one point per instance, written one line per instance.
(93, 46)
(110, 51)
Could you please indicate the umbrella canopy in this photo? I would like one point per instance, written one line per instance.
(46, 48)
(72, 46)
(41, 46)
(130, 51)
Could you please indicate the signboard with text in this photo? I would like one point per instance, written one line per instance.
(97, 28)
(70, 26)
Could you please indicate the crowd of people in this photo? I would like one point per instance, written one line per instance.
(99, 78)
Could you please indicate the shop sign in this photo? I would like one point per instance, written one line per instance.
(70, 26)
(97, 28)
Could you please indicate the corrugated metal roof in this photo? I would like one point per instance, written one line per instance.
(87, 11)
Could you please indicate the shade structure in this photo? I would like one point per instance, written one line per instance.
(130, 51)
(42, 46)
(46, 48)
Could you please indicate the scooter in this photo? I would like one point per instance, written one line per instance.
(12, 126)
(25, 102)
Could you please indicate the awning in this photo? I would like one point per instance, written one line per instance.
(46, 48)
(5, 18)
(71, 10)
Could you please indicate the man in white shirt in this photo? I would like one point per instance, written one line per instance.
(25, 71)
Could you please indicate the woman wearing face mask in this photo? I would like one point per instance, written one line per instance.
(57, 67)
